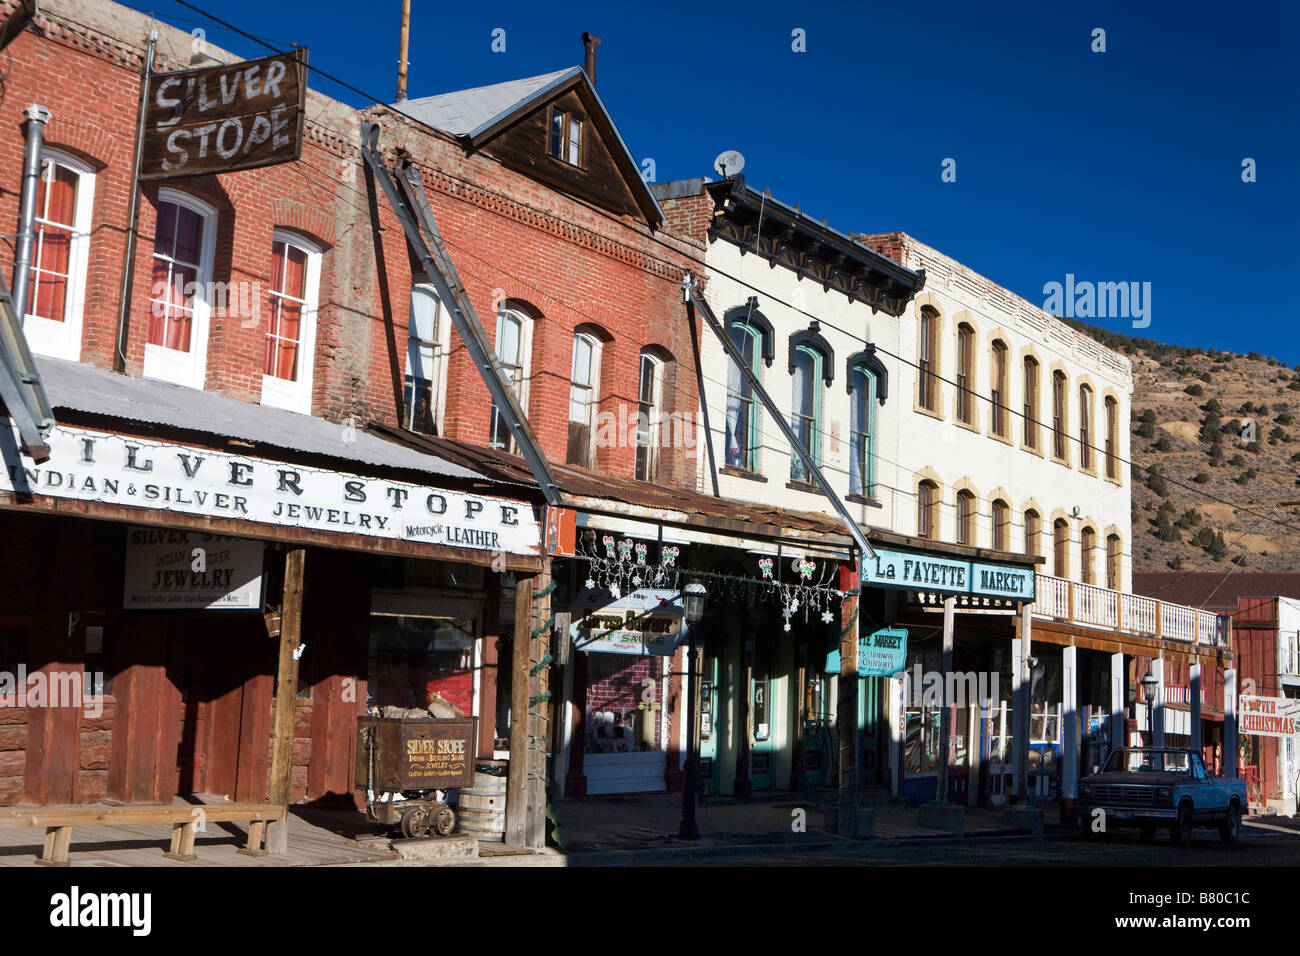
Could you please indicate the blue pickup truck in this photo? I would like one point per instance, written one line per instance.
(1154, 788)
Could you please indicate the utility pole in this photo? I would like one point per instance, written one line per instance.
(401, 57)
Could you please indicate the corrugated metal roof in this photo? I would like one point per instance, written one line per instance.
(464, 111)
(1219, 590)
(84, 388)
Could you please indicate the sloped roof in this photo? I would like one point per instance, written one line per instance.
(1215, 589)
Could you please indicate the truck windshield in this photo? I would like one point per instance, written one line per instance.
(1149, 761)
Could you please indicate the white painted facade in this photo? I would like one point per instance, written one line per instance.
(1288, 669)
(912, 444)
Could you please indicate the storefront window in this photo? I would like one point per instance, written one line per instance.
(921, 754)
(623, 703)
(416, 661)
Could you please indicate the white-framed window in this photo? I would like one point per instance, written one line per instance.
(291, 306)
(513, 348)
(584, 386)
(565, 137)
(426, 363)
(806, 402)
(180, 302)
(862, 432)
(648, 413)
(743, 423)
(60, 252)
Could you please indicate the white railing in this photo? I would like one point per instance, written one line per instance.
(1064, 600)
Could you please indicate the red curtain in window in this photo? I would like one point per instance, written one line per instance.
(288, 290)
(56, 200)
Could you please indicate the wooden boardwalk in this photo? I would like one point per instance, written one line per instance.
(317, 837)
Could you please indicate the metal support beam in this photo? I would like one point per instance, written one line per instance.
(693, 296)
(406, 195)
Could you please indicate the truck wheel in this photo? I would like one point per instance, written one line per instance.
(1182, 829)
(1231, 825)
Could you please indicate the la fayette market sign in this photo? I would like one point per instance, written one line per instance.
(929, 572)
(97, 466)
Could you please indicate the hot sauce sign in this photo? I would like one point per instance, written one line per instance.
(224, 118)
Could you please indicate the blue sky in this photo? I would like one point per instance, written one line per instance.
(1117, 166)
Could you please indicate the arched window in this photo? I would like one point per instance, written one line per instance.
(179, 302)
(1031, 402)
(863, 387)
(584, 385)
(1061, 548)
(291, 323)
(1033, 533)
(927, 509)
(1114, 579)
(648, 414)
(1087, 554)
(60, 252)
(743, 440)
(928, 360)
(965, 518)
(1059, 412)
(998, 377)
(807, 366)
(1085, 428)
(1001, 525)
(1112, 438)
(965, 374)
(513, 345)
(426, 362)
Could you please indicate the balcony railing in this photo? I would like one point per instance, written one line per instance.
(1060, 599)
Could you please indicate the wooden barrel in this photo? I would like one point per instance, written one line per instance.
(481, 810)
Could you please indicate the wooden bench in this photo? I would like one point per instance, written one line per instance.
(59, 821)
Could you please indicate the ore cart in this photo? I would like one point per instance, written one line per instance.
(415, 759)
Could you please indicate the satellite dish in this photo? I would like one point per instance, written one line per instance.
(729, 163)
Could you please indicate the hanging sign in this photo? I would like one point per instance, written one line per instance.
(646, 621)
(219, 119)
(169, 570)
(881, 653)
(932, 572)
(1269, 716)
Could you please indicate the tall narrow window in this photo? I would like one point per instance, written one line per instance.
(1113, 558)
(742, 403)
(1031, 402)
(862, 420)
(290, 324)
(999, 390)
(965, 518)
(928, 360)
(806, 401)
(1061, 548)
(583, 384)
(648, 413)
(1033, 533)
(1085, 428)
(426, 358)
(1112, 438)
(1001, 526)
(565, 137)
(60, 252)
(512, 347)
(965, 373)
(1087, 554)
(1059, 410)
(927, 508)
(179, 303)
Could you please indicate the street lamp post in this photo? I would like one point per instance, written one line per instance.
(694, 596)
(1149, 686)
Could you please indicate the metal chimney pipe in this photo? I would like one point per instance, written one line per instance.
(402, 57)
(589, 42)
(37, 117)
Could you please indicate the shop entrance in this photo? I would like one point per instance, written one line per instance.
(762, 715)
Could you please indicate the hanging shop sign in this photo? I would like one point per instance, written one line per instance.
(89, 465)
(881, 653)
(172, 570)
(645, 621)
(1269, 716)
(220, 119)
(929, 572)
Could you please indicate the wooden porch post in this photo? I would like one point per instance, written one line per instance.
(286, 689)
(517, 780)
(529, 711)
(946, 711)
(846, 709)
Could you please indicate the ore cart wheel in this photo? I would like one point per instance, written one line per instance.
(1231, 825)
(417, 822)
(444, 819)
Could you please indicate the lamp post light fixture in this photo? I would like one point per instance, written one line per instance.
(694, 596)
(1150, 686)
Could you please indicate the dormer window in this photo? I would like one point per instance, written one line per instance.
(566, 137)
